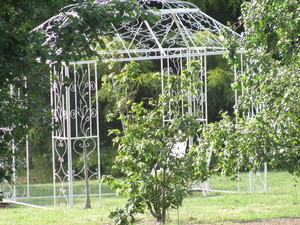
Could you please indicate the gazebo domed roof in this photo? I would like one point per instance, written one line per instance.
(183, 29)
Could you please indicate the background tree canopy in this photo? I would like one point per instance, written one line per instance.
(19, 69)
(267, 127)
(271, 83)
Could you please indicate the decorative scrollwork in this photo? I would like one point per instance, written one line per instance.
(92, 85)
(72, 87)
(93, 113)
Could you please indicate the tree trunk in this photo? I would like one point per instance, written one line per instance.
(86, 178)
(162, 220)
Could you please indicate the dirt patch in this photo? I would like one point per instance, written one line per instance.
(4, 204)
(281, 221)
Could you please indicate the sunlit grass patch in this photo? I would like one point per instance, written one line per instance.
(281, 200)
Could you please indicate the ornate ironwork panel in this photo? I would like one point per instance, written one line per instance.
(74, 95)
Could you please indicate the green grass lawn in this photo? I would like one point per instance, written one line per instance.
(281, 200)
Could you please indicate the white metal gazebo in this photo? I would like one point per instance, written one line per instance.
(183, 33)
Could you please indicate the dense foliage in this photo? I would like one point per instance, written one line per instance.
(271, 83)
(266, 128)
(221, 10)
(22, 80)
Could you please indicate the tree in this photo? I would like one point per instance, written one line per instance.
(267, 126)
(271, 84)
(22, 79)
(157, 178)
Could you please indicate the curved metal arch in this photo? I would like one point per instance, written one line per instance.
(182, 26)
